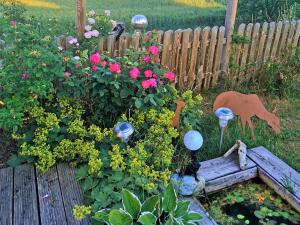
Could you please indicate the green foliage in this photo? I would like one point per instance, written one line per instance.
(168, 210)
(266, 10)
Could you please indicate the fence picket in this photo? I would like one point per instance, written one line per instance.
(283, 41)
(185, 46)
(297, 35)
(219, 50)
(276, 40)
(291, 33)
(262, 41)
(176, 51)
(269, 41)
(193, 59)
(167, 47)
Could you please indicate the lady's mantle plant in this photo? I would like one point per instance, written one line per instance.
(158, 209)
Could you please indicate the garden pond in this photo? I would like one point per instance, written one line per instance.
(251, 203)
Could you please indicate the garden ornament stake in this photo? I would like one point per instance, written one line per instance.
(224, 115)
(118, 30)
(242, 152)
(123, 131)
(247, 106)
(139, 23)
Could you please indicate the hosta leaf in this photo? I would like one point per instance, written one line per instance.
(119, 217)
(192, 216)
(182, 208)
(131, 203)
(170, 199)
(147, 218)
(150, 203)
(102, 215)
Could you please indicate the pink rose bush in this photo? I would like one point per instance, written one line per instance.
(134, 73)
(153, 50)
(114, 68)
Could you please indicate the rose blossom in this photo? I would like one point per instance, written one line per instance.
(91, 21)
(95, 33)
(67, 74)
(134, 73)
(148, 73)
(88, 35)
(94, 67)
(147, 59)
(146, 84)
(25, 76)
(103, 63)
(153, 50)
(95, 58)
(153, 82)
(73, 41)
(88, 27)
(170, 76)
(114, 68)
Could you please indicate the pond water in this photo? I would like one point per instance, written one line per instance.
(251, 203)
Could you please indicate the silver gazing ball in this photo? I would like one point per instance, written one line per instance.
(193, 140)
(139, 22)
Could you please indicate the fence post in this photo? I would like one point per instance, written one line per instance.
(80, 17)
(229, 28)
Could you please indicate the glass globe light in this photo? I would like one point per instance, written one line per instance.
(124, 130)
(193, 140)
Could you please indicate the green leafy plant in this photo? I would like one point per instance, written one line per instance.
(158, 209)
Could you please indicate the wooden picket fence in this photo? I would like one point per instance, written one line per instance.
(198, 56)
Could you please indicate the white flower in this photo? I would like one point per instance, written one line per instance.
(88, 34)
(88, 27)
(91, 13)
(77, 57)
(60, 48)
(95, 33)
(77, 44)
(107, 12)
(91, 21)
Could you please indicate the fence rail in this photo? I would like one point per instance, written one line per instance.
(197, 56)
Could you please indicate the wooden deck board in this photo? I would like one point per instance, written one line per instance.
(220, 167)
(50, 198)
(6, 196)
(275, 167)
(71, 193)
(25, 196)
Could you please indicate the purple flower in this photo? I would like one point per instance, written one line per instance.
(95, 33)
(25, 76)
(91, 21)
(13, 23)
(88, 34)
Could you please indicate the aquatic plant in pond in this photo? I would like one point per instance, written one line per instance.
(251, 203)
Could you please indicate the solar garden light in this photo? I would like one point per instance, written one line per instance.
(193, 141)
(123, 131)
(139, 23)
(224, 115)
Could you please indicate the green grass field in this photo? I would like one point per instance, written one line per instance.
(162, 14)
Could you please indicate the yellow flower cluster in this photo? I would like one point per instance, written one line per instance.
(191, 102)
(81, 211)
(117, 158)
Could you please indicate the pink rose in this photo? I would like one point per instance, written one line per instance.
(147, 59)
(134, 73)
(153, 50)
(146, 84)
(94, 67)
(170, 76)
(78, 65)
(148, 73)
(88, 27)
(114, 68)
(25, 76)
(95, 33)
(103, 63)
(153, 82)
(95, 58)
(91, 21)
(161, 82)
(88, 35)
(67, 74)
(154, 76)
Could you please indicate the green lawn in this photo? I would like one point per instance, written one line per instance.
(162, 14)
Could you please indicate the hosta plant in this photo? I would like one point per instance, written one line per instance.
(158, 209)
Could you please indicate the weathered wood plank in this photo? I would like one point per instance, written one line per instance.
(167, 47)
(283, 40)
(291, 33)
(210, 57)
(269, 41)
(262, 41)
(279, 189)
(50, 198)
(220, 167)
(195, 206)
(276, 40)
(193, 59)
(202, 57)
(255, 37)
(71, 193)
(219, 50)
(275, 167)
(218, 184)
(185, 45)
(6, 196)
(25, 196)
(297, 35)
(176, 52)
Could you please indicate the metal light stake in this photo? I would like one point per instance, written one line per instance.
(124, 131)
(224, 115)
(193, 141)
